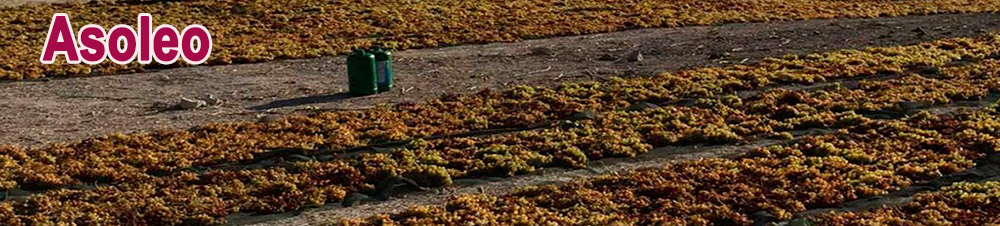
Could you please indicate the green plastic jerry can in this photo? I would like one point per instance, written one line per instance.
(383, 68)
(361, 76)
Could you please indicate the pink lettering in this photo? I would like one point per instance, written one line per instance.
(192, 54)
(124, 44)
(121, 48)
(145, 49)
(92, 44)
(165, 37)
(60, 40)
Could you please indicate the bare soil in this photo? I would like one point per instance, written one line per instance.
(34, 113)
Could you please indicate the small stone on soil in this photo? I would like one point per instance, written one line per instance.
(607, 57)
(542, 51)
(635, 56)
(718, 55)
(213, 100)
(188, 104)
(355, 199)
(386, 187)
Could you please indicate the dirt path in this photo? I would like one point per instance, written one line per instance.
(39, 112)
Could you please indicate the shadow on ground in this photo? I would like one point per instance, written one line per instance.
(302, 101)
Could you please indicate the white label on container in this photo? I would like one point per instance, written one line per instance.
(380, 70)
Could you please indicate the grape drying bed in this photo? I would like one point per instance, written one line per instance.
(175, 177)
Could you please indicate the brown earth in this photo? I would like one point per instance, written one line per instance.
(38, 112)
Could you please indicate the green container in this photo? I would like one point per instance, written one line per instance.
(361, 73)
(383, 68)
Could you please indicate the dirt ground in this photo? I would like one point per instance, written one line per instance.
(38, 112)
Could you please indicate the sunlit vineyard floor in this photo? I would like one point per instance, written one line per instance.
(501, 186)
(71, 109)
(845, 126)
(559, 176)
(885, 113)
(311, 28)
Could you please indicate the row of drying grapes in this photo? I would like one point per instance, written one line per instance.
(963, 203)
(261, 30)
(138, 196)
(303, 184)
(870, 158)
(117, 157)
(434, 163)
